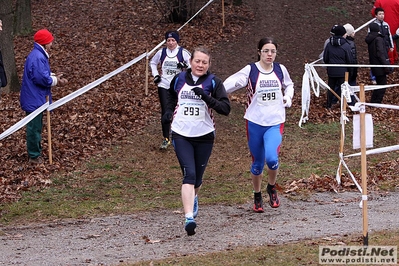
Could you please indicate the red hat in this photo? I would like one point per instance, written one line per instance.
(43, 37)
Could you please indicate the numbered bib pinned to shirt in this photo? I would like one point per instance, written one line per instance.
(269, 96)
(192, 111)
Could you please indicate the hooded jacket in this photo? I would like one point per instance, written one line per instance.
(378, 54)
(338, 51)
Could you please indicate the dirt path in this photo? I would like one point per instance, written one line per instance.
(146, 236)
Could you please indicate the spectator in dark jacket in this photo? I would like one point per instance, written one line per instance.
(386, 13)
(378, 55)
(337, 51)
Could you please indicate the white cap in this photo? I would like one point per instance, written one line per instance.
(349, 29)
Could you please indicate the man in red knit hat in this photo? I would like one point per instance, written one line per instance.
(37, 81)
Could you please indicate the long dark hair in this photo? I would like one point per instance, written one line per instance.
(264, 41)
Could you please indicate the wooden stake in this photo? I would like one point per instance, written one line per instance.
(223, 13)
(50, 153)
(363, 164)
(146, 74)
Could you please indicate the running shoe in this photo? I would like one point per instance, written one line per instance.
(165, 144)
(195, 209)
(273, 198)
(258, 205)
(190, 226)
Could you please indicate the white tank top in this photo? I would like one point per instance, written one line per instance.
(192, 117)
(169, 68)
(266, 104)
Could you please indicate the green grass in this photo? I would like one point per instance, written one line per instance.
(292, 254)
(336, 11)
(136, 176)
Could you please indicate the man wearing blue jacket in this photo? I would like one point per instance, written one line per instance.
(37, 81)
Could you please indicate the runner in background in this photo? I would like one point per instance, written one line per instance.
(172, 60)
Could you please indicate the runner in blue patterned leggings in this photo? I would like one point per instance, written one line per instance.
(269, 91)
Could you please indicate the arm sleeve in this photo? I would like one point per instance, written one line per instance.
(390, 37)
(155, 60)
(288, 85)
(219, 101)
(187, 57)
(171, 97)
(324, 47)
(55, 80)
(326, 55)
(238, 80)
(41, 75)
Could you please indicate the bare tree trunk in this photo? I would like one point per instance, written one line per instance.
(178, 11)
(7, 46)
(23, 18)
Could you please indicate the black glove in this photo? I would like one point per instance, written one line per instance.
(167, 118)
(157, 79)
(182, 65)
(200, 92)
(205, 97)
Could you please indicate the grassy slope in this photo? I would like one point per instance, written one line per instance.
(135, 175)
